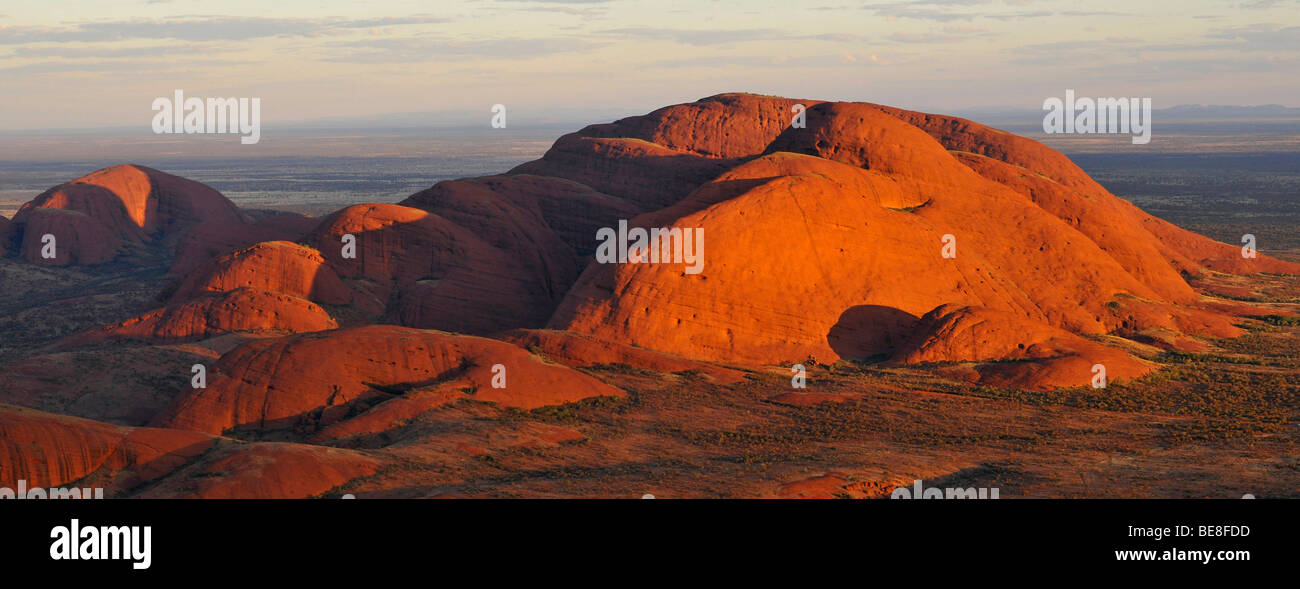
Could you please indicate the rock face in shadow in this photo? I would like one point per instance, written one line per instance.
(5, 227)
(310, 381)
(58, 237)
(212, 239)
(867, 331)
(535, 204)
(431, 272)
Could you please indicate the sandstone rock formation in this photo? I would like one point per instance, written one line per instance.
(572, 211)
(839, 239)
(431, 272)
(1028, 354)
(240, 310)
(476, 301)
(656, 159)
(1045, 174)
(48, 450)
(126, 203)
(310, 381)
(279, 266)
(825, 242)
(211, 239)
(267, 470)
(58, 237)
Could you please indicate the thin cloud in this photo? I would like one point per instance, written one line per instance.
(706, 37)
(958, 10)
(429, 49)
(113, 52)
(934, 10)
(728, 61)
(201, 28)
(1260, 37)
(1264, 4)
(583, 8)
(946, 35)
(116, 68)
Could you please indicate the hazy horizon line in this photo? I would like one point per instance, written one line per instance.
(574, 119)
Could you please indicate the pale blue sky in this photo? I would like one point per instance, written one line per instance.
(101, 63)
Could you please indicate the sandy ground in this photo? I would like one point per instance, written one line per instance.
(1217, 424)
